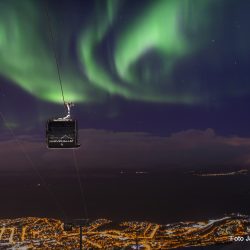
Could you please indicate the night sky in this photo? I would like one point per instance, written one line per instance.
(157, 85)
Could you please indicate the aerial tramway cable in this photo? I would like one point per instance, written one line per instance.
(54, 50)
(34, 168)
(84, 201)
(77, 169)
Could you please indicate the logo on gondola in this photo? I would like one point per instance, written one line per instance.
(66, 137)
(63, 139)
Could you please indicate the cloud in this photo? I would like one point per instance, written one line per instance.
(107, 149)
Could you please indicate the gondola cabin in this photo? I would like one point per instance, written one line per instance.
(61, 133)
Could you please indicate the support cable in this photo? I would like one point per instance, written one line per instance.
(34, 168)
(83, 197)
(54, 50)
(63, 98)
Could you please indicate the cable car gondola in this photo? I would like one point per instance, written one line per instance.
(62, 132)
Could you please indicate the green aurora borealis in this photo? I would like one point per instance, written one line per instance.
(135, 59)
